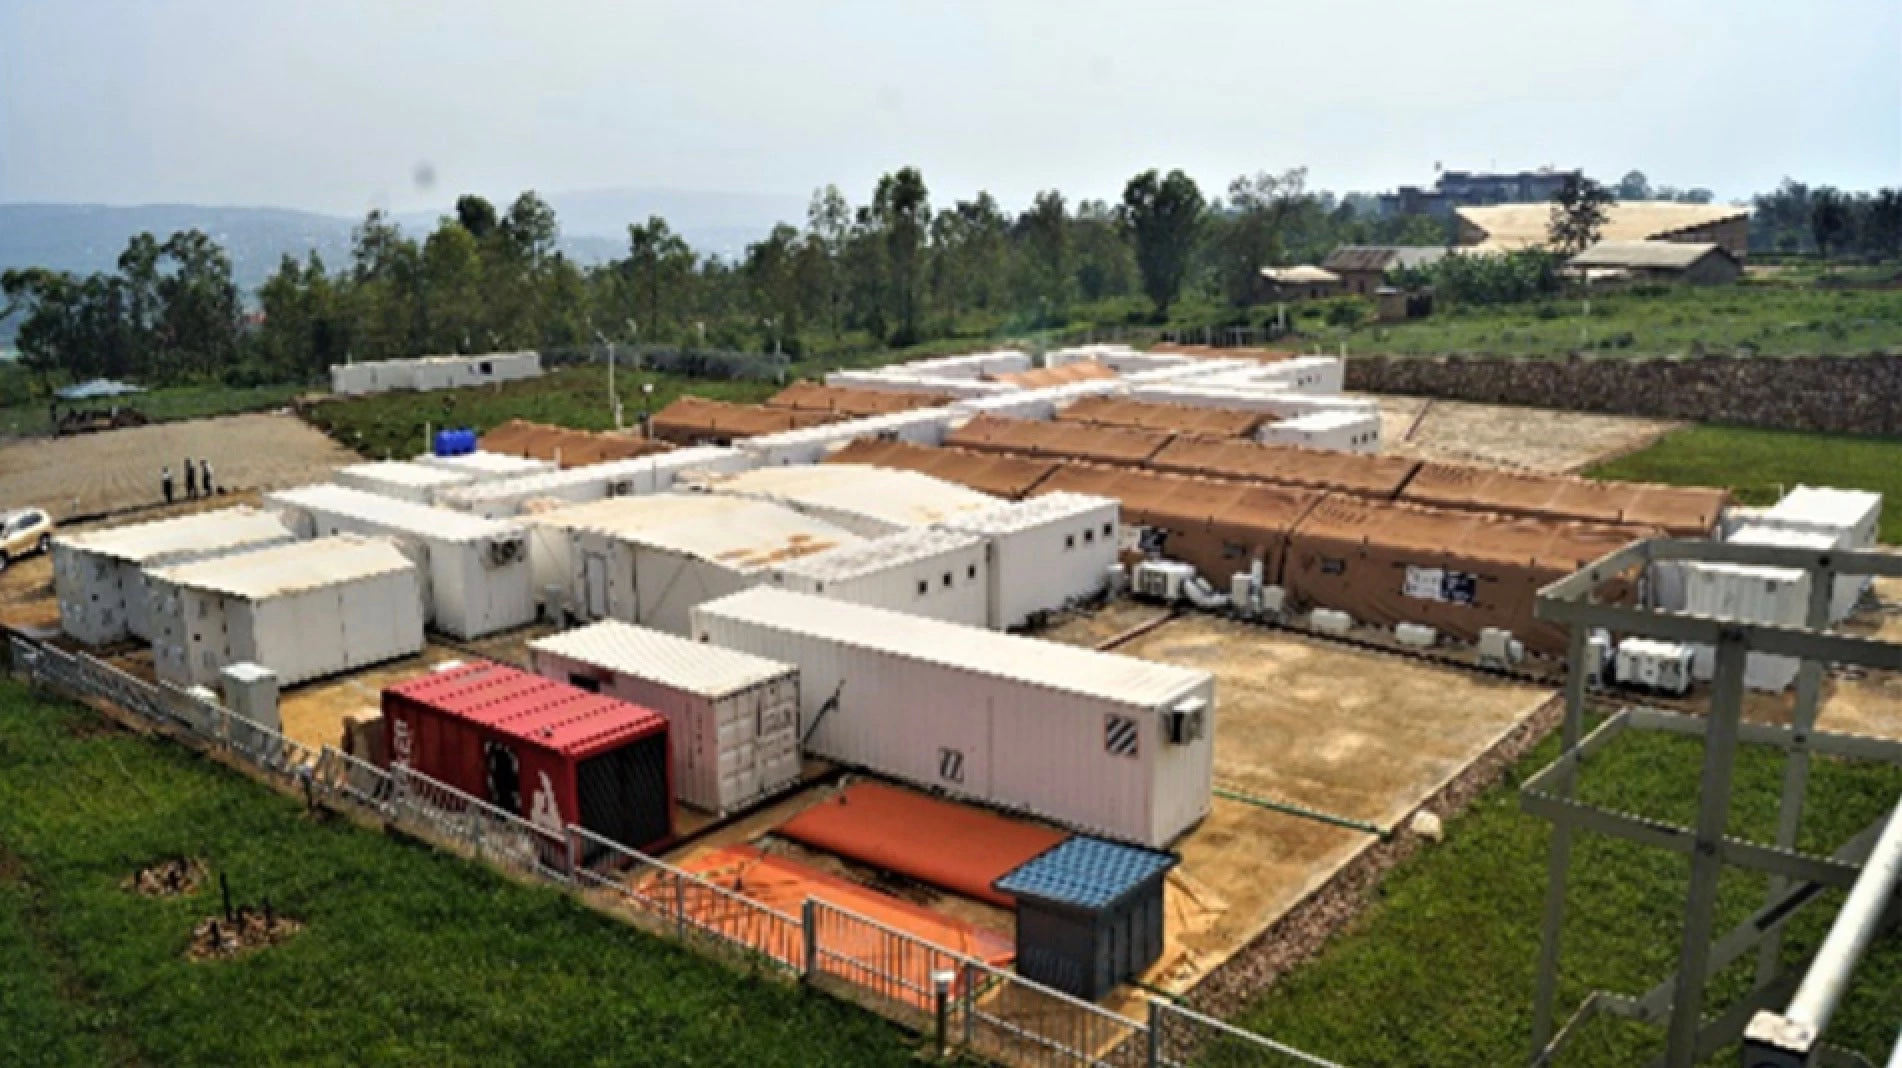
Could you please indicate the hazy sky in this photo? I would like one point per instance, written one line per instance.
(334, 105)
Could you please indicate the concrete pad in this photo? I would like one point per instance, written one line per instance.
(1538, 439)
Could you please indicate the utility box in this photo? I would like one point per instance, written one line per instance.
(1089, 914)
(552, 754)
(251, 692)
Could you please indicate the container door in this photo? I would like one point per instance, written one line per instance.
(594, 586)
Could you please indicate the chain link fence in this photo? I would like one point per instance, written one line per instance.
(965, 1004)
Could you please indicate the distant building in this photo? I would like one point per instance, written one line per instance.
(1507, 227)
(1691, 262)
(1297, 283)
(1456, 189)
(1363, 268)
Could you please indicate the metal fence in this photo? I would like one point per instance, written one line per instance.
(965, 1004)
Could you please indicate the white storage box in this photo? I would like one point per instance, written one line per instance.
(1045, 552)
(1107, 744)
(1654, 665)
(99, 575)
(1339, 431)
(476, 573)
(304, 611)
(936, 574)
(809, 445)
(1749, 595)
(733, 718)
(579, 485)
(416, 483)
(487, 466)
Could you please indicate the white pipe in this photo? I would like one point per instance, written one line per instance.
(1850, 934)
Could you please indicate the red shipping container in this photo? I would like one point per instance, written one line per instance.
(540, 749)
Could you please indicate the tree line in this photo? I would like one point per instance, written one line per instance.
(893, 270)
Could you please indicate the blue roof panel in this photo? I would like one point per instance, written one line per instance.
(1087, 873)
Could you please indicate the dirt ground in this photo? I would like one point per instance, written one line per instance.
(1536, 439)
(117, 470)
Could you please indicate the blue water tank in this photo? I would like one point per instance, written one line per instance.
(458, 442)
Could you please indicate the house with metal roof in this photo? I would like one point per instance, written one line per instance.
(1306, 282)
(1695, 262)
(1363, 268)
(1508, 227)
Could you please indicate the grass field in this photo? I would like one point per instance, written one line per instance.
(1760, 464)
(162, 405)
(1439, 971)
(1765, 318)
(409, 956)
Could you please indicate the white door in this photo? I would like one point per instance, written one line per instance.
(594, 580)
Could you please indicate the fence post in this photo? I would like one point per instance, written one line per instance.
(574, 854)
(941, 1000)
(680, 907)
(1155, 1033)
(970, 1000)
(474, 832)
(809, 932)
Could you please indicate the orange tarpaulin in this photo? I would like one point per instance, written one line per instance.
(855, 950)
(953, 847)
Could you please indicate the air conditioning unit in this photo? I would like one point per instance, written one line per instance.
(1186, 722)
(1499, 649)
(1331, 621)
(1274, 601)
(1415, 635)
(1653, 665)
(623, 487)
(1162, 580)
(505, 551)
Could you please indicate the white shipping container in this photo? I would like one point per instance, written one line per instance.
(809, 445)
(970, 365)
(417, 483)
(1852, 517)
(936, 574)
(733, 718)
(1107, 744)
(1045, 552)
(594, 482)
(896, 382)
(649, 560)
(1846, 590)
(99, 575)
(432, 372)
(1750, 595)
(868, 501)
(1303, 374)
(1338, 431)
(482, 466)
(476, 572)
(305, 611)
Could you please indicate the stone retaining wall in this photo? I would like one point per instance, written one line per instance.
(1836, 394)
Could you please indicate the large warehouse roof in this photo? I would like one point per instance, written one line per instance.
(734, 532)
(1647, 255)
(996, 474)
(900, 498)
(1517, 226)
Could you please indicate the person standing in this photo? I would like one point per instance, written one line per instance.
(204, 475)
(165, 482)
(191, 480)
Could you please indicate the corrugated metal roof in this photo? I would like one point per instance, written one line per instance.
(992, 473)
(225, 528)
(542, 712)
(1066, 668)
(1068, 374)
(1383, 257)
(1305, 274)
(734, 532)
(1649, 255)
(675, 662)
(1323, 421)
(882, 554)
(419, 520)
(691, 416)
(1086, 873)
(403, 473)
(869, 426)
(1513, 226)
(1021, 515)
(843, 400)
(901, 498)
(284, 569)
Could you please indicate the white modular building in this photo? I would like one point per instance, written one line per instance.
(970, 365)
(476, 572)
(650, 560)
(416, 483)
(488, 466)
(1302, 374)
(934, 574)
(866, 500)
(1280, 403)
(1107, 744)
(1045, 553)
(732, 718)
(809, 445)
(1339, 431)
(896, 382)
(1772, 595)
(99, 575)
(1851, 518)
(579, 485)
(432, 372)
(304, 610)
(1119, 358)
(1189, 370)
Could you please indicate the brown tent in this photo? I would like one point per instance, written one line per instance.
(1065, 441)
(1346, 472)
(1167, 418)
(566, 445)
(1385, 563)
(1680, 511)
(1042, 377)
(813, 397)
(698, 421)
(1010, 477)
(1218, 527)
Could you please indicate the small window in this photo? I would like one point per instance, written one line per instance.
(947, 580)
(923, 587)
(584, 682)
(1231, 550)
(1108, 529)
(1069, 541)
(1089, 537)
(970, 572)
(486, 367)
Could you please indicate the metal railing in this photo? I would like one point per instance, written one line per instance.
(966, 1004)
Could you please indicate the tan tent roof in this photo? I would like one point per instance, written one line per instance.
(1306, 274)
(1678, 510)
(1041, 377)
(1070, 441)
(1168, 418)
(1647, 255)
(691, 419)
(1369, 476)
(814, 397)
(1259, 355)
(1515, 226)
(1011, 477)
(566, 445)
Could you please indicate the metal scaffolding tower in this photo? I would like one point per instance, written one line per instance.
(1865, 865)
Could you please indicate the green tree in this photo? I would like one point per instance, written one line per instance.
(1829, 218)
(1635, 186)
(1104, 266)
(1163, 218)
(1045, 233)
(1579, 211)
(1883, 230)
(1260, 209)
(200, 320)
(476, 215)
(658, 262)
(771, 270)
(454, 311)
(901, 211)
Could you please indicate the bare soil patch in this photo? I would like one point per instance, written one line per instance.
(244, 930)
(171, 877)
(1537, 439)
